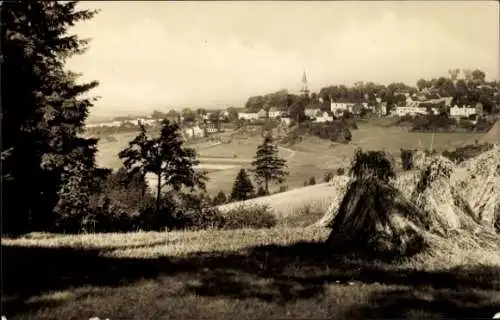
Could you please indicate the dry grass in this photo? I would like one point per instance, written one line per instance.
(318, 197)
(255, 274)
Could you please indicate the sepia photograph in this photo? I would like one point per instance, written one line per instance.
(250, 159)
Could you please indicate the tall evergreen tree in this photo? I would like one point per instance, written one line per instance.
(242, 188)
(164, 156)
(44, 158)
(268, 166)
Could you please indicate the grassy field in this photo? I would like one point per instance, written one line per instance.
(249, 274)
(312, 157)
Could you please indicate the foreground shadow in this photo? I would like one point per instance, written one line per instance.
(271, 273)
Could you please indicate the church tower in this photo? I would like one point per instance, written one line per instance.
(305, 89)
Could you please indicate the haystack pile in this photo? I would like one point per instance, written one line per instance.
(436, 195)
(478, 180)
(373, 215)
(339, 185)
(384, 215)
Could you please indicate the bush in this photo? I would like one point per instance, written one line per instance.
(407, 159)
(340, 171)
(328, 176)
(249, 216)
(283, 188)
(219, 199)
(312, 181)
(337, 130)
(261, 192)
(466, 152)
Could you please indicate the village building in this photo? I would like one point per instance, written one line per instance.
(324, 117)
(248, 115)
(465, 111)
(340, 107)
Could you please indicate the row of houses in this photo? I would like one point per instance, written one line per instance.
(117, 124)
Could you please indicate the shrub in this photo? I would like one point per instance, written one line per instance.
(312, 181)
(219, 199)
(407, 159)
(340, 171)
(261, 192)
(466, 152)
(249, 216)
(283, 188)
(328, 176)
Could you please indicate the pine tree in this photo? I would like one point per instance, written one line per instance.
(166, 157)
(219, 199)
(268, 166)
(242, 188)
(44, 158)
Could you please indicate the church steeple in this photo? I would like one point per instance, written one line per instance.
(305, 89)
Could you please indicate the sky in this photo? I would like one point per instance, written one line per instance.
(162, 55)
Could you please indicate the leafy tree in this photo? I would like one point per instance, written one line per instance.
(201, 111)
(268, 166)
(188, 115)
(215, 115)
(242, 188)
(422, 84)
(173, 116)
(297, 108)
(478, 76)
(158, 115)
(233, 114)
(164, 156)
(255, 104)
(43, 113)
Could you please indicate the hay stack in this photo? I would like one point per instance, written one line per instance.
(373, 215)
(478, 181)
(406, 182)
(339, 185)
(448, 210)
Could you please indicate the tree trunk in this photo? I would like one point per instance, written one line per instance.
(267, 186)
(158, 192)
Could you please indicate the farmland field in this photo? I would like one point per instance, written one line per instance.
(312, 157)
(247, 274)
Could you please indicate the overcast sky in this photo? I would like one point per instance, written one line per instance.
(150, 55)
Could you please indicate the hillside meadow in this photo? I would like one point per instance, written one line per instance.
(311, 157)
(283, 272)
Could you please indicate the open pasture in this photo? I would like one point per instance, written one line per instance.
(311, 157)
(252, 274)
(391, 139)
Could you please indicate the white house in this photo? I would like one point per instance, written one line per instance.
(339, 107)
(105, 124)
(412, 110)
(212, 128)
(465, 111)
(323, 117)
(286, 121)
(262, 114)
(194, 132)
(312, 112)
(274, 113)
(248, 115)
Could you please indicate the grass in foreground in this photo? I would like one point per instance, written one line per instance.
(258, 274)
